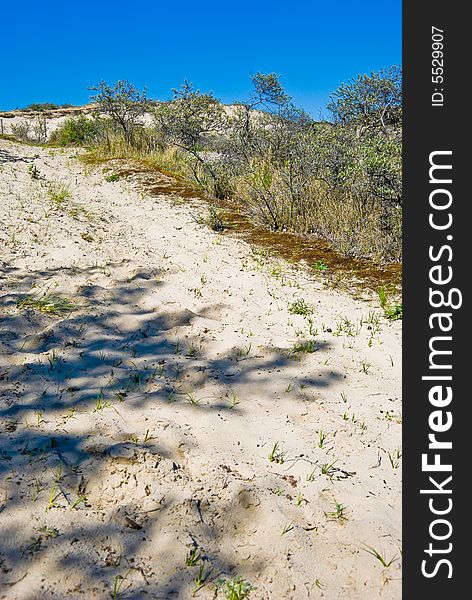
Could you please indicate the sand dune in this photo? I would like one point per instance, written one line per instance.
(138, 421)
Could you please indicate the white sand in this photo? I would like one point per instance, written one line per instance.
(184, 337)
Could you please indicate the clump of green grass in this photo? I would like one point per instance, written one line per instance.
(201, 579)
(101, 402)
(380, 556)
(47, 304)
(346, 326)
(392, 310)
(215, 219)
(300, 307)
(243, 352)
(394, 458)
(81, 499)
(53, 494)
(236, 588)
(277, 455)
(193, 557)
(192, 398)
(34, 172)
(320, 265)
(113, 177)
(338, 514)
(327, 468)
(307, 346)
(287, 528)
(59, 193)
(395, 312)
(117, 587)
(322, 439)
(365, 367)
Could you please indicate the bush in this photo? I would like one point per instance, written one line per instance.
(123, 103)
(193, 122)
(43, 106)
(75, 131)
(340, 180)
(21, 131)
(31, 130)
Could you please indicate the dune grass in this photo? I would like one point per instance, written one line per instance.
(50, 304)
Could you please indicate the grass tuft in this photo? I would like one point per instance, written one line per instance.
(277, 455)
(380, 556)
(306, 347)
(59, 193)
(236, 588)
(47, 304)
(392, 310)
(300, 307)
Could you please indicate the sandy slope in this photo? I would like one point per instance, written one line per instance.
(140, 424)
(53, 119)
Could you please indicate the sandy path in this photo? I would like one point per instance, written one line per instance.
(139, 425)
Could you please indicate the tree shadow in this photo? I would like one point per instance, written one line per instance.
(8, 157)
(100, 495)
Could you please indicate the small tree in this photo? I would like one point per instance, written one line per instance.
(123, 102)
(268, 96)
(369, 100)
(192, 121)
(368, 110)
(268, 93)
(381, 159)
(270, 151)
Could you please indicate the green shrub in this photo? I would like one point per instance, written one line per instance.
(340, 180)
(75, 131)
(43, 106)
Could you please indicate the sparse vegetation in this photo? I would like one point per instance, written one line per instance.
(76, 131)
(48, 304)
(234, 589)
(338, 514)
(304, 347)
(338, 179)
(59, 192)
(21, 131)
(277, 455)
(153, 408)
(32, 130)
(380, 556)
(392, 310)
(300, 307)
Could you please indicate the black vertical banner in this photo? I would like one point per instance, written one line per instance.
(437, 435)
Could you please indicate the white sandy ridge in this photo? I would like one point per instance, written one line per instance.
(139, 425)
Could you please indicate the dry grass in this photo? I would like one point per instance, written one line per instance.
(357, 224)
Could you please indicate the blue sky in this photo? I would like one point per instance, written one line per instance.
(53, 50)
